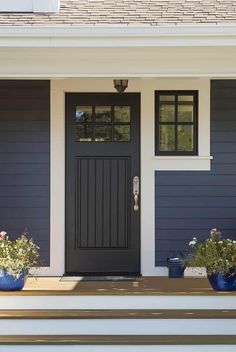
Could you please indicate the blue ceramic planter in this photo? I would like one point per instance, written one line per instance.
(222, 282)
(10, 283)
(176, 267)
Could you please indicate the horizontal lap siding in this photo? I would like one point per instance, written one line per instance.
(24, 160)
(191, 203)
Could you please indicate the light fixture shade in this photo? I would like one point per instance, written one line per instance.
(120, 85)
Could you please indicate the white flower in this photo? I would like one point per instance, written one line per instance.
(2, 235)
(192, 243)
(213, 230)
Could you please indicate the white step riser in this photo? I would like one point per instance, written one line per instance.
(208, 348)
(119, 327)
(117, 302)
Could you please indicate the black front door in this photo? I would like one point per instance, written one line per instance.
(102, 183)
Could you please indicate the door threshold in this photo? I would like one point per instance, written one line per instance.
(101, 278)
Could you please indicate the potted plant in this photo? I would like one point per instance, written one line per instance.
(218, 256)
(16, 258)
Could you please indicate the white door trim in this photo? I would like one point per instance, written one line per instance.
(149, 163)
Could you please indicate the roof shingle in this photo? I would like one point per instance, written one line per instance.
(129, 12)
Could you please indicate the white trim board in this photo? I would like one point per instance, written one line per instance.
(123, 348)
(227, 302)
(149, 163)
(119, 327)
(116, 36)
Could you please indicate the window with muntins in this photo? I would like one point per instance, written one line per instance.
(176, 122)
(103, 123)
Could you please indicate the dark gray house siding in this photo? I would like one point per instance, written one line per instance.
(191, 203)
(24, 160)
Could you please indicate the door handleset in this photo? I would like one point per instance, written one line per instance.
(136, 192)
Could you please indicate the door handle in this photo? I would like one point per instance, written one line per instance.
(136, 192)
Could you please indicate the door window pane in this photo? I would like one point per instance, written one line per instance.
(84, 113)
(84, 133)
(103, 113)
(167, 138)
(167, 108)
(185, 108)
(103, 123)
(122, 133)
(185, 138)
(102, 133)
(122, 113)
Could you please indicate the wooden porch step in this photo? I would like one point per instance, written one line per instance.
(117, 340)
(146, 286)
(118, 314)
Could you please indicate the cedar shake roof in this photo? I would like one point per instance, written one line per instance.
(129, 12)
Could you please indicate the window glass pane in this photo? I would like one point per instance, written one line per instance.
(122, 133)
(84, 133)
(122, 113)
(185, 138)
(84, 113)
(167, 138)
(185, 108)
(102, 133)
(167, 108)
(103, 113)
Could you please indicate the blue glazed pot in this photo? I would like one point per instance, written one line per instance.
(176, 267)
(10, 283)
(223, 282)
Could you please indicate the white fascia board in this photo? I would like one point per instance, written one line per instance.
(114, 36)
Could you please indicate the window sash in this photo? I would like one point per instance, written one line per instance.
(176, 123)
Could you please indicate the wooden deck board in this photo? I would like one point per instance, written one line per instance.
(146, 286)
(118, 314)
(118, 340)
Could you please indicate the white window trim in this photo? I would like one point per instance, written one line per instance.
(183, 163)
(203, 160)
(149, 163)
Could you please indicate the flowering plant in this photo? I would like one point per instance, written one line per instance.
(216, 254)
(17, 256)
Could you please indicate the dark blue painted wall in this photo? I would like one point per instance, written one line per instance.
(191, 203)
(24, 160)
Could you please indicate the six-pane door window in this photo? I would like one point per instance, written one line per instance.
(103, 123)
(176, 122)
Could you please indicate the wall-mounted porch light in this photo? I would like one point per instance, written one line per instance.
(120, 85)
